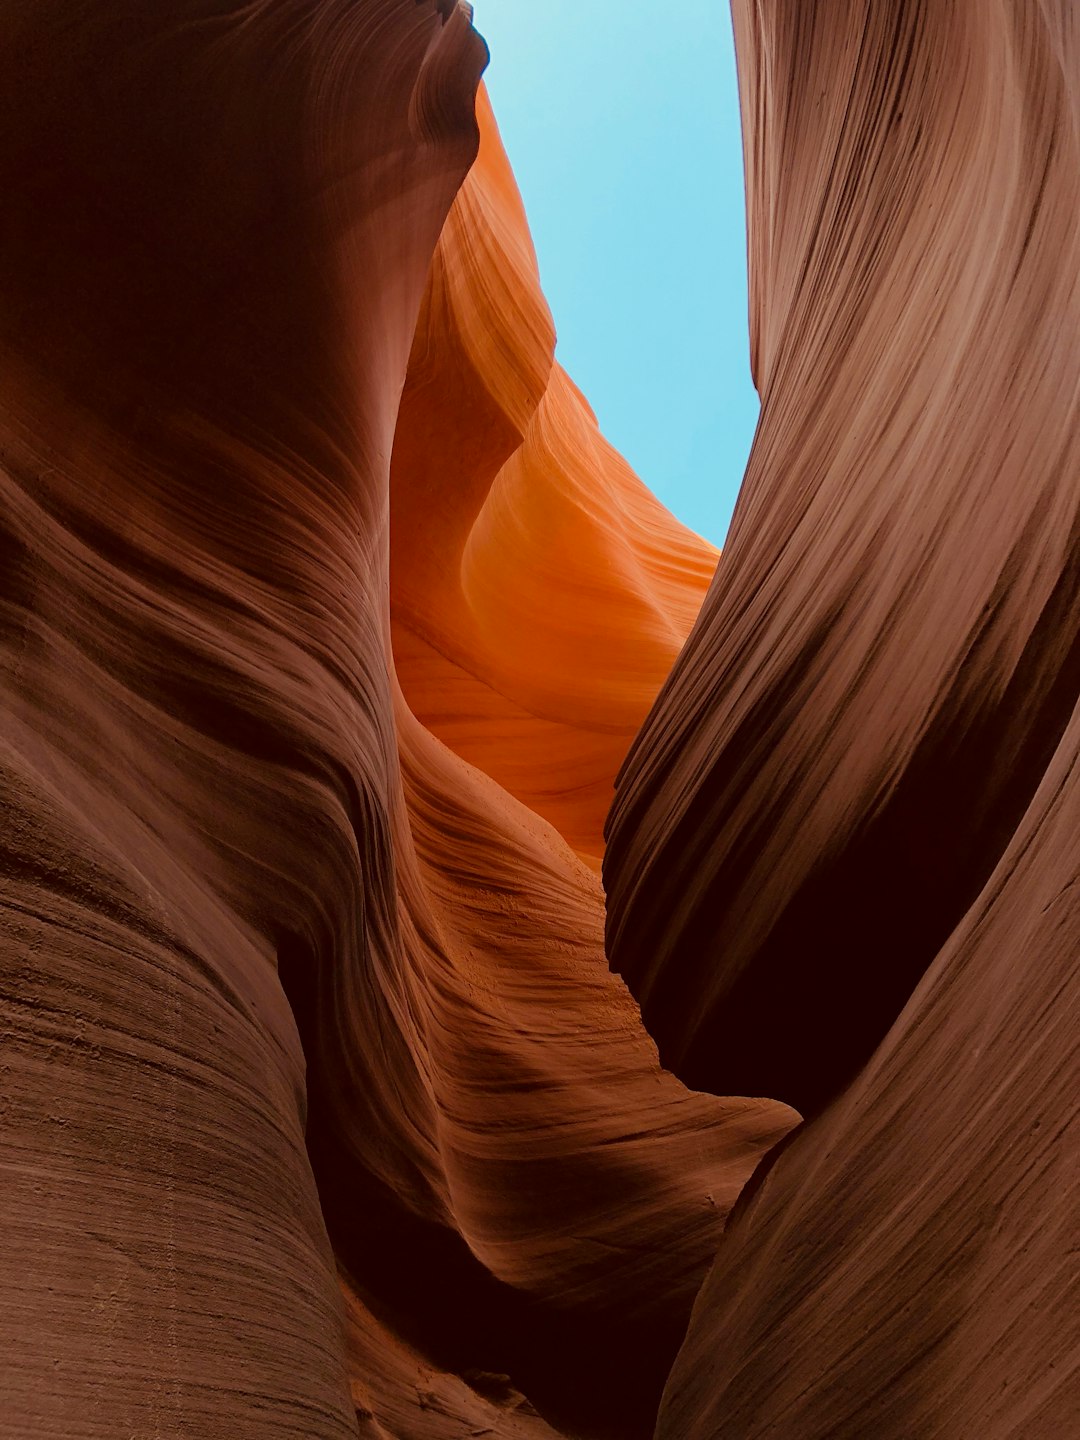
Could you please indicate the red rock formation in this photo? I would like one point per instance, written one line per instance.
(512, 519)
(888, 655)
(846, 838)
(908, 1266)
(213, 251)
(326, 619)
(322, 1110)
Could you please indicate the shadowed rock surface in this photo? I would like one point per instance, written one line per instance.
(327, 620)
(322, 1111)
(843, 858)
(888, 655)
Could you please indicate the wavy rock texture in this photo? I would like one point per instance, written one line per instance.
(843, 863)
(908, 1265)
(888, 655)
(512, 519)
(323, 1114)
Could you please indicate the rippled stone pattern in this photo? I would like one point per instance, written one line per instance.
(328, 620)
(322, 1112)
(842, 866)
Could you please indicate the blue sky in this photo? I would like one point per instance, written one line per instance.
(623, 129)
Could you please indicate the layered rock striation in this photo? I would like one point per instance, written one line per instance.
(842, 866)
(323, 1113)
(887, 657)
(327, 621)
(511, 519)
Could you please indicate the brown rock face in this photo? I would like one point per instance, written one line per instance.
(842, 865)
(888, 656)
(213, 251)
(907, 1266)
(327, 620)
(323, 1114)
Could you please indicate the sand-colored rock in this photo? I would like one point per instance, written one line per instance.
(327, 617)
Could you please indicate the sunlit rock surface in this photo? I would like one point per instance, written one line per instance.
(512, 519)
(327, 620)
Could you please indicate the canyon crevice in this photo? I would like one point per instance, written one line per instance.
(344, 667)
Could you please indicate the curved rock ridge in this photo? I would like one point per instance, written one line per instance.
(322, 1113)
(888, 655)
(327, 617)
(908, 1265)
(213, 253)
(843, 863)
(512, 520)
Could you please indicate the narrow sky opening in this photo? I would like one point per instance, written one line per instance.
(622, 123)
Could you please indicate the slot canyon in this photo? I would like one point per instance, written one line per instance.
(475, 959)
